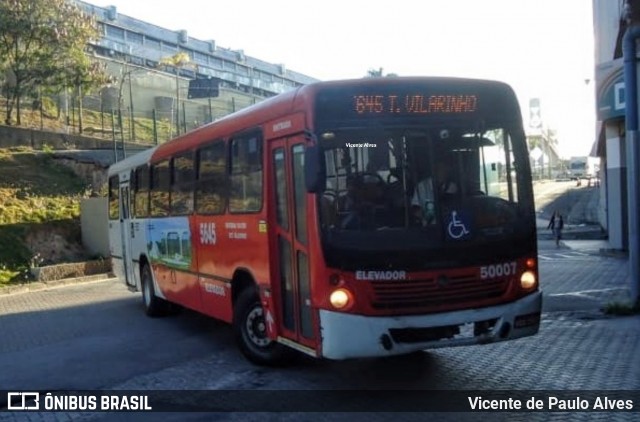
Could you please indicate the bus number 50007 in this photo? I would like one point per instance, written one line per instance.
(498, 270)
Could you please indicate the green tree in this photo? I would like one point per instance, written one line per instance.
(376, 73)
(544, 140)
(42, 41)
(535, 141)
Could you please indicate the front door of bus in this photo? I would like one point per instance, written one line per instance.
(291, 243)
(125, 233)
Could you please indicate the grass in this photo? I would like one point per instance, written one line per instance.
(35, 194)
(34, 189)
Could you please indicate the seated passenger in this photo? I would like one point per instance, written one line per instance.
(423, 199)
(351, 205)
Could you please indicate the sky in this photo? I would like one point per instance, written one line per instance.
(542, 48)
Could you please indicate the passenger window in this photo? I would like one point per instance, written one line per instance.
(211, 185)
(160, 184)
(141, 194)
(246, 174)
(114, 209)
(182, 184)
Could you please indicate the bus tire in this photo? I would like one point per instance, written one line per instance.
(153, 305)
(250, 331)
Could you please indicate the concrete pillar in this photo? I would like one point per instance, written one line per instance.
(616, 182)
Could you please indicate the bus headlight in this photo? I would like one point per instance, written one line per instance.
(528, 280)
(341, 298)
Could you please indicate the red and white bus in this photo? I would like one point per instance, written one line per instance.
(318, 220)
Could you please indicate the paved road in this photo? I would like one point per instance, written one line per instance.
(575, 203)
(90, 336)
(94, 336)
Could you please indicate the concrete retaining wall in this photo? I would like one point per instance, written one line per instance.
(72, 270)
(94, 225)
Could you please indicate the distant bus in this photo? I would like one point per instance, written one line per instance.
(583, 167)
(300, 222)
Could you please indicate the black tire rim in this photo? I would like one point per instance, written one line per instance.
(256, 327)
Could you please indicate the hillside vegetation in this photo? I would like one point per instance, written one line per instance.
(39, 212)
(104, 125)
(40, 199)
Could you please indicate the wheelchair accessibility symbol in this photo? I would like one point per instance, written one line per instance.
(457, 227)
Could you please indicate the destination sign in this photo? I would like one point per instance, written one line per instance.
(413, 101)
(414, 104)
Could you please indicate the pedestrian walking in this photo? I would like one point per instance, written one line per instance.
(556, 224)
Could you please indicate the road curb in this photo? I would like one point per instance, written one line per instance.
(43, 285)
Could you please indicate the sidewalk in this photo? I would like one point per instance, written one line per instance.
(587, 274)
(42, 285)
(583, 280)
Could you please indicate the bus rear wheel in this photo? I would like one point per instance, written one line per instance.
(153, 305)
(250, 329)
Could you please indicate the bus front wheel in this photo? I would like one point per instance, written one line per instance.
(250, 329)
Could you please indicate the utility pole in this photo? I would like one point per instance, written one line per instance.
(132, 121)
(177, 101)
(629, 48)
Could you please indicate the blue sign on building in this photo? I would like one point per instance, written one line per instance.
(610, 90)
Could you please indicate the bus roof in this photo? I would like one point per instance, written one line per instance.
(133, 161)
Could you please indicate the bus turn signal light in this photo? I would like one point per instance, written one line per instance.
(530, 263)
(341, 298)
(528, 280)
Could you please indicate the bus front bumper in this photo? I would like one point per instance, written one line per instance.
(347, 336)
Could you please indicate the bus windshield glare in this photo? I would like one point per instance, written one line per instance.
(431, 186)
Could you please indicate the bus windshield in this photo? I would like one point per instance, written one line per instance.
(425, 189)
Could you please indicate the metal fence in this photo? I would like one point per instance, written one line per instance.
(100, 117)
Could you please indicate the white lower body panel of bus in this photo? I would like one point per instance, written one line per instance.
(351, 336)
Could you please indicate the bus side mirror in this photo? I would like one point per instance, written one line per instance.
(315, 177)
